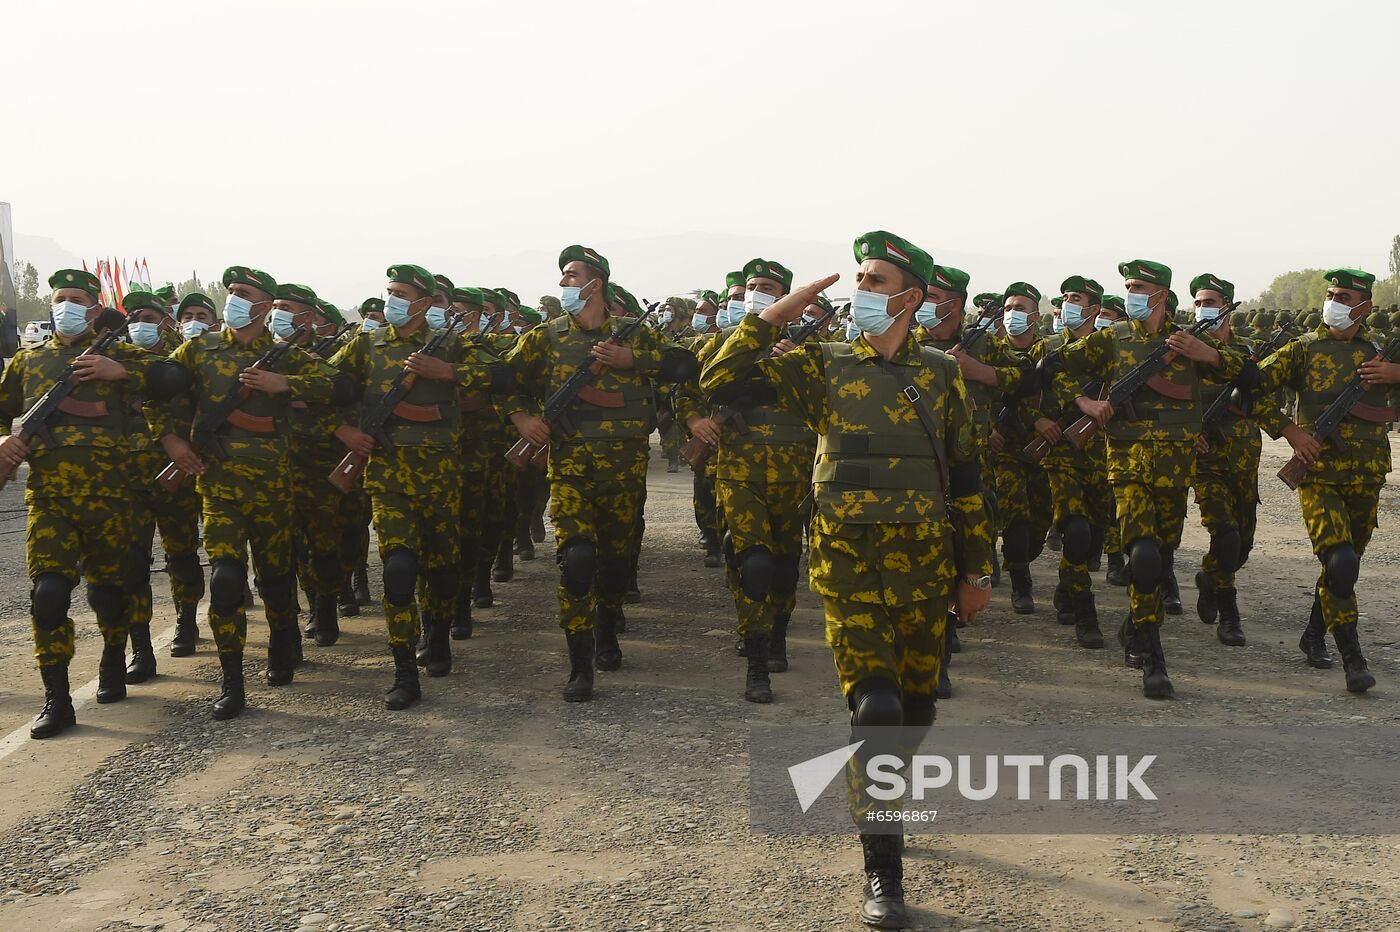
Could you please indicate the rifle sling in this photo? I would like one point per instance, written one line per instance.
(601, 399)
(911, 394)
(252, 423)
(1375, 414)
(88, 409)
(418, 414)
(1169, 389)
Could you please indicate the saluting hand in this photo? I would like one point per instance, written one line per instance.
(793, 304)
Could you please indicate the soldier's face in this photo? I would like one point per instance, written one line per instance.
(1156, 293)
(417, 301)
(580, 276)
(261, 300)
(1082, 298)
(302, 315)
(195, 312)
(735, 294)
(146, 316)
(1022, 303)
(1206, 298)
(76, 295)
(766, 286)
(1352, 299)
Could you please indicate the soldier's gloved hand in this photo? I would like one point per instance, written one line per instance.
(1048, 430)
(703, 429)
(1303, 443)
(613, 355)
(261, 380)
(13, 450)
(431, 368)
(1379, 372)
(355, 440)
(182, 454)
(98, 368)
(793, 304)
(532, 429)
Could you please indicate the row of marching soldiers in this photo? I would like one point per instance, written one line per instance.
(1051, 476)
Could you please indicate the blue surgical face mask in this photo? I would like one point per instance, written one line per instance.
(1136, 306)
(193, 328)
(143, 334)
(396, 310)
(699, 323)
(1057, 325)
(368, 324)
(436, 318)
(1208, 313)
(238, 312)
(70, 318)
(1017, 322)
(852, 330)
(755, 301)
(571, 298)
(504, 324)
(735, 309)
(281, 322)
(871, 311)
(1072, 315)
(1102, 323)
(928, 315)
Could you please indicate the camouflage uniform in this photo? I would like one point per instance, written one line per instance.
(320, 511)
(79, 518)
(502, 480)
(482, 458)
(1024, 508)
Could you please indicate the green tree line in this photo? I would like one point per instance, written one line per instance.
(1306, 289)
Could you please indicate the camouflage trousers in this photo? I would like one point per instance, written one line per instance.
(901, 643)
(88, 534)
(1155, 513)
(318, 510)
(177, 517)
(1227, 494)
(1333, 514)
(427, 527)
(602, 509)
(233, 528)
(502, 480)
(1023, 501)
(355, 517)
(1083, 493)
(706, 504)
(472, 510)
(768, 515)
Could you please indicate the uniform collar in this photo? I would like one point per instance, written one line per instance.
(908, 353)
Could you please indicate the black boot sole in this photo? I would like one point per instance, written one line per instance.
(227, 712)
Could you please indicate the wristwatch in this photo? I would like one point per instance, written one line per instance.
(978, 582)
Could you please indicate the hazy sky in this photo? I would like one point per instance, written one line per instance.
(323, 141)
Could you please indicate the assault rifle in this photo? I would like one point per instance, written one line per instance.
(1039, 446)
(1238, 397)
(804, 332)
(207, 433)
(55, 400)
(556, 406)
(324, 345)
(376, 420)
(1147, 372)
(1325, 430)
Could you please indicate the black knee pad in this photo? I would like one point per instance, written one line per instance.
(108, 602)
(1145, 564)
(443, 581)
(1225, 548)
(1077, 539)
(226, 584)
(785, 574)
(920, 711)
(400, 576)
(1343, 567)
(578, 562)
(757, 571)
(326, 565)
(184, 567)
(276, 592)
(138, 569)
(876, 702)
(1016, 542)
(49, 600)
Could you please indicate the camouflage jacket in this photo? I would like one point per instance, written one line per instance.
(1013, 376)
(482, 431)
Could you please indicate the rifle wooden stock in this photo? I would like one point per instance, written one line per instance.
(347, 471)
(1081, 431)
(1292, 472)
(696, 452)
(524, 453)
(171, 478)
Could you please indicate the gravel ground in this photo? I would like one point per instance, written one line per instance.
(494, 805)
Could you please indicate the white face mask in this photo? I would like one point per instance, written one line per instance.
(755, 301)
(1337, 315)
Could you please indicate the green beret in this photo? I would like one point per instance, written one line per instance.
(709, 296)
(508, 296)
(442, 283)
(371, 306)
(733, 279)
(301, 294)
(1082, 284)
(1058, 303)
(1213, 283)
(766, 268)
(143, 301)
(950, 279)
(166, 293)
(196, 299)
(1023, 290)
(1146, 270)
(878, 244)
(330, 312)
(1113, 302)
(1172, 302)
(619, 295)
(489, 297)
(471, 297)
(414, 276)
(986, 296)
(821, 302)
(255, 278)
(532, 315)
(77, 278)
(587, 257)
(1353, 279)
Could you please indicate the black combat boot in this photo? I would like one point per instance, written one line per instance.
(757, 687)
(524, 543)
(1229, 632)
(462, 618)
(482, 596)
(111, 674)
(405, 691)
(1171, 592)
(1095, 550)
(713, 560)
(884, 882)
(580, 685)
(1022, 601)
(1086, 620)
(634, 592)
(362, 585)
(143, 655)
(439, 646)
(1155, 684)
(537, 522)
(1359, 678)
(57, 713)
(1207, 604)
(1064, 606)
(1117, 574)
(230, 701)
(327, 622)
(944, 690)
(1313, 643)
(1130, 642)
(504, 570)
(609, 652)
(349, 605)
(310, 629)
(186, 632)
(281, 658)
(420, 649)
(996, 568)
(954, 639)
(777, 644)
